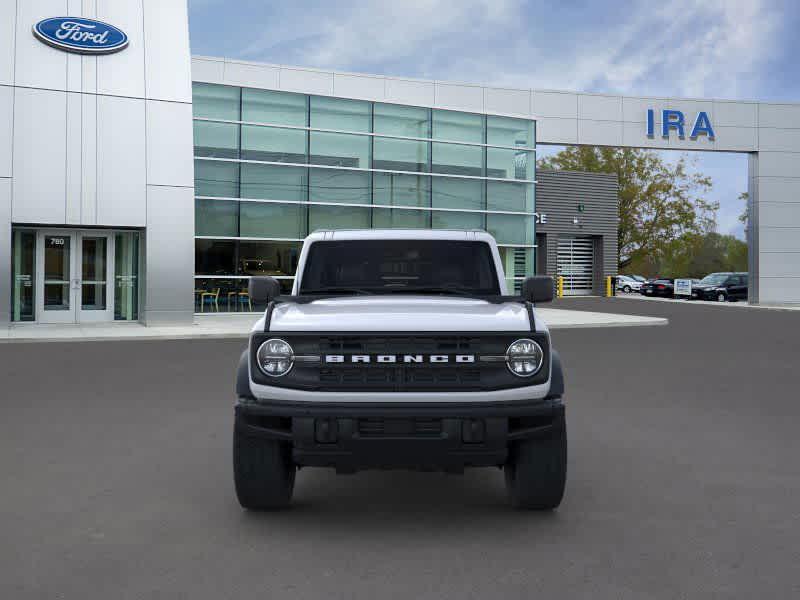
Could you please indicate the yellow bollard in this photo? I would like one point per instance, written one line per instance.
(560, 289)
(608, 287)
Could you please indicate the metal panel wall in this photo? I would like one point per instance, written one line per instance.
(558, 195)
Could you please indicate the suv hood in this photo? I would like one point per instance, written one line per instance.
(400, 313)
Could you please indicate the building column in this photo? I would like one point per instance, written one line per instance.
(774, 227)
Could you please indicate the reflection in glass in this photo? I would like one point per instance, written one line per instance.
(457, 126)
(338, 113)
(400, 155)
(280, 108)
(336, 185)
(509, 164)
(401, 190)
(338, 217)
(56, 272)
(126, 276)
(265, 219)
(406, 121)
(268, 258)
(452, 192)
(456, 220)
(216, 217)
(219, 140)
(510, 229)
(507, 131)
(23, 260)
(400, 218)
(273, 182)
(215, 101)
(507, 195)
(93, 273)
(457, 159)
(339, 150)
(273, 144)
(216, 178)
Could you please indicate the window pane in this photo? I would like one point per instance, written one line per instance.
(457, 220)
(215, 101)
(401, 218)
(213, 257)
(23, 259)
(339, 150)
(216, 139)
(402, 190)
(510, 229)
(268, 258)
(400, 155)
(273, 182)
(457, 126)
(506, 131)
(334, 185)
(336, 113)
(212, 178)
(216, 217)
(408, 121)
(126, 276)
(506, 195)
(273, 144)
(457, 159)
(517, 263)
(509, 164)
(281, 108)
(450, 192)
(264, 219)
(338, 217)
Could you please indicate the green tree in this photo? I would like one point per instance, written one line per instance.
(659, 201)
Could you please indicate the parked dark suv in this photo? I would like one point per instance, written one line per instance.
(722, 287)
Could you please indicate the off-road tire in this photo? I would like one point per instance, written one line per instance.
(536, 471)
(263, 471)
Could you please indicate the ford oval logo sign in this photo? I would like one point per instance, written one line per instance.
(76, 34)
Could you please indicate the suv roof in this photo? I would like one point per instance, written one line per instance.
(401, 234)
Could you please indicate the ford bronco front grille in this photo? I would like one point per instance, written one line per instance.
(397, 362)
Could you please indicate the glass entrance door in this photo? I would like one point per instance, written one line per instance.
(74, 272)
(56, 277)
(94, 302)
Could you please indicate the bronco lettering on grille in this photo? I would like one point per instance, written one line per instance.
(398, 358)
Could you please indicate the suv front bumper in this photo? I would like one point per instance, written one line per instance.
(426, 436)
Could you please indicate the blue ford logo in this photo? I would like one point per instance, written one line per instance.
(76, 34)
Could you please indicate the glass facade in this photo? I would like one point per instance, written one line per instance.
(271, 167)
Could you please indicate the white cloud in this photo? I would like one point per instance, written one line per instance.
(686, 47)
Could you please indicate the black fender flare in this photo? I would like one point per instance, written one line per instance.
(243, 376)
(556, 376)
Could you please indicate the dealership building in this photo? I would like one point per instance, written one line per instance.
(139, 183)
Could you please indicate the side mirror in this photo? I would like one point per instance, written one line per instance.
(538, 288)
(263, 289)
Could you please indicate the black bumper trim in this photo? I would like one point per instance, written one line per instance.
(518, 408)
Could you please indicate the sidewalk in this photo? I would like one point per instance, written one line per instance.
(238, 326)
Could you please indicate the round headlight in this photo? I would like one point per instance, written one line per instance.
(524, 358)
(275, 357)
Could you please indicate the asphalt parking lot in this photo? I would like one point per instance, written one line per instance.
(684, 479)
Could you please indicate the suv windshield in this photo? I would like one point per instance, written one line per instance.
(400, 266)
(714, 279)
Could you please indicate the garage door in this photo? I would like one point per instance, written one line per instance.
(576, 264)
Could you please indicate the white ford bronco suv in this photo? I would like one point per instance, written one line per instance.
(400, 349)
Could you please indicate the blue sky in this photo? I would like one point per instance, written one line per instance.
(740, 49)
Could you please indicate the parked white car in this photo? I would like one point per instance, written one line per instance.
(627, 284)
